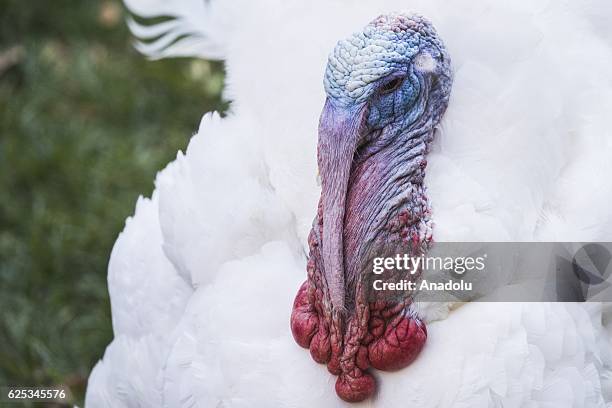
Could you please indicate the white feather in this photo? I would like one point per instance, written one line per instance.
(192, 28)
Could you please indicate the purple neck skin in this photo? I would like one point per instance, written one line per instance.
(387, 211)
(373, 199)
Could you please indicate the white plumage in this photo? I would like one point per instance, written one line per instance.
(203, 277)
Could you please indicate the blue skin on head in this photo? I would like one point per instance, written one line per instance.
(392, 47)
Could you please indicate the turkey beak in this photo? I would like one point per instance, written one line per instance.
(340, 129)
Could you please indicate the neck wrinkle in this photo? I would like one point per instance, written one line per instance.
(387, 182)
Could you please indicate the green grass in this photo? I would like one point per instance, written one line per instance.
(85, 123)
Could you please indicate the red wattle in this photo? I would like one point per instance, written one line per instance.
(355, 389)
(320, 347)
(304, 319)
(391, 342)
(401, 343)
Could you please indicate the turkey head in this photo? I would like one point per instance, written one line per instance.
(387, 88)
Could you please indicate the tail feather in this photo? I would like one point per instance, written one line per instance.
(191, 30)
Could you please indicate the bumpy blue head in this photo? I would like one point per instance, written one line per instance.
(393, 62)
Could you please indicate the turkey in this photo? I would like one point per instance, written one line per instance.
(203, 280)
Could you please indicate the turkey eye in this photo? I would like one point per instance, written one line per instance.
(391, 86)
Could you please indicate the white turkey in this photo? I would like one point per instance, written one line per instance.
(204, 277)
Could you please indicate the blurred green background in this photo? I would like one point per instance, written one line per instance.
(85, 123)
